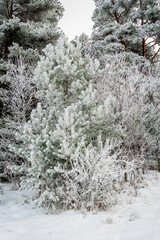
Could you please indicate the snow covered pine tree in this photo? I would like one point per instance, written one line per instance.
(24, 27)
(126, 26)
(69, 113)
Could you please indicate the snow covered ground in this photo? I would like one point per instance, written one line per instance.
(137, 218)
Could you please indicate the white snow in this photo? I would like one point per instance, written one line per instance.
(136, 218)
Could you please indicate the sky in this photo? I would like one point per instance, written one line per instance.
(77, 17)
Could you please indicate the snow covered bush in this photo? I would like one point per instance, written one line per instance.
(136, 89)
(93, 181)
(96, 177)
(18, 102)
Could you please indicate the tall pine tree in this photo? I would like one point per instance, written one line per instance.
(28, 23)
(126, 26)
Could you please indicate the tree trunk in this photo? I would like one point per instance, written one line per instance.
(6, 50)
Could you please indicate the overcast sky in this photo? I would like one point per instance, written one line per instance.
(77, 17)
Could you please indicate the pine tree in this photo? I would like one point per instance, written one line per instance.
(25, 28)
(126, 26)
(68, 112)
(146, 16)
(85, 43)
(28, 23)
